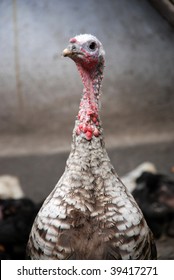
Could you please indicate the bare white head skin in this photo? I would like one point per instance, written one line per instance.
(88, 54)
(85, 49)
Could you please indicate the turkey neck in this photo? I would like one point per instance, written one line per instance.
(88, 117)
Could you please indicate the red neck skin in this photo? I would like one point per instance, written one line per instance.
(88, 116)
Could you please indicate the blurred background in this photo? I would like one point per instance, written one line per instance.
(40, 90)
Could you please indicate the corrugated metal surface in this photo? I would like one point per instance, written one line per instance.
(40, 90)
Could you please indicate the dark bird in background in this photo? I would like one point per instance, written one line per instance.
(16, 219)
(129, 179)
(90, 214)
(154, 194)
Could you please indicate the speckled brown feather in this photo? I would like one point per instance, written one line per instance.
(90, 214)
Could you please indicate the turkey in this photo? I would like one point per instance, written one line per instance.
(10, 187)
(89, 214)
(155, 195)
(129, 179)
(16, 219)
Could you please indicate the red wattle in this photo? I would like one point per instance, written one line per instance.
(88, 135)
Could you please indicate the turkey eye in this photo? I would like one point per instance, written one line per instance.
(92, 46)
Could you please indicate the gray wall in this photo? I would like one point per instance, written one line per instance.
(40, 90)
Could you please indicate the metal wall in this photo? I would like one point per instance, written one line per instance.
(40, 90)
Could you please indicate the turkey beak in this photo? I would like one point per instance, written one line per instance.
(72, 50)
(67, 52)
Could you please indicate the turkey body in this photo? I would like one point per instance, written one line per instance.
(89, 214)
